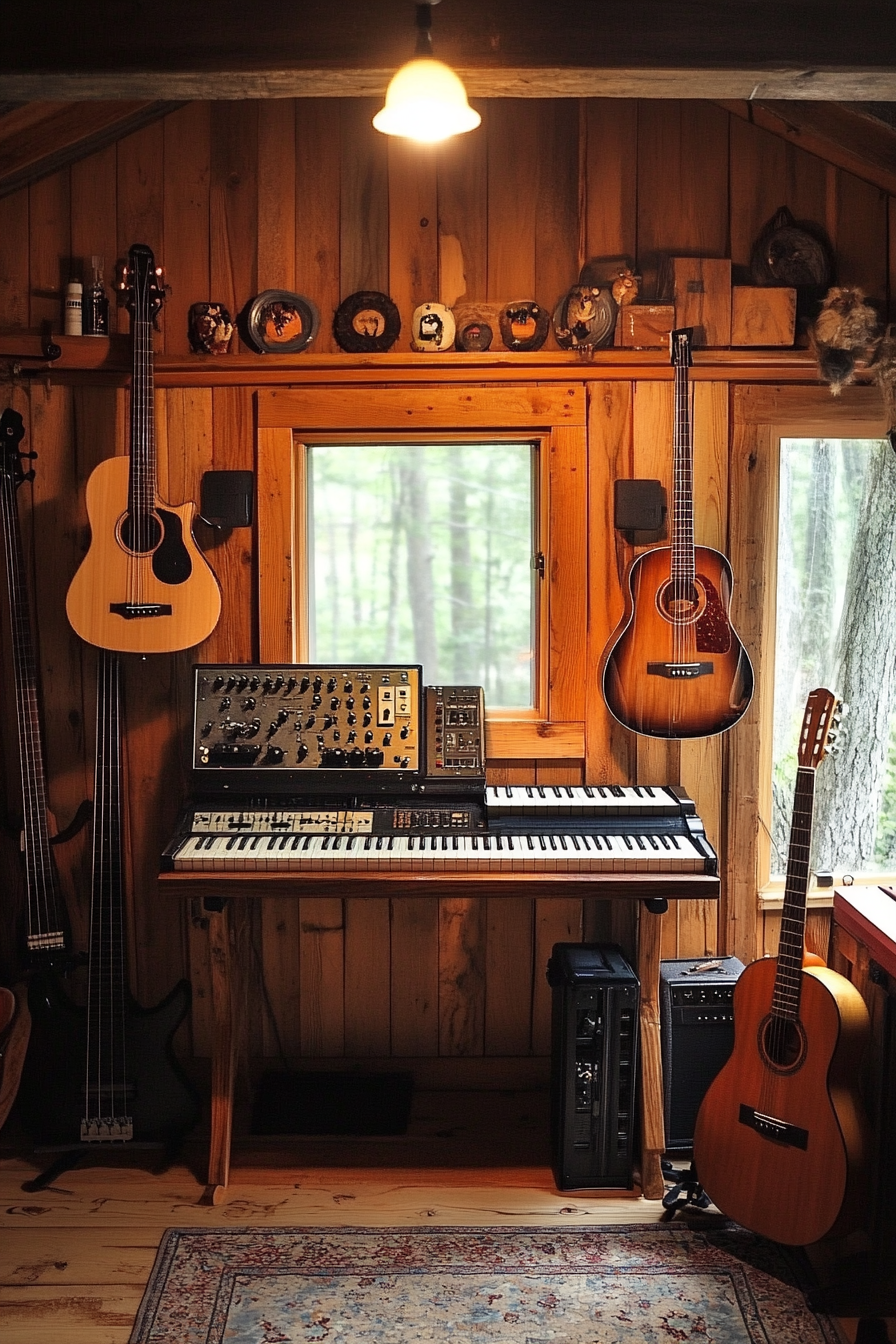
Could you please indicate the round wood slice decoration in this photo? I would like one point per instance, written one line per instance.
(367, 322)
(279, 322)
(585, 318)
(524, 325)
(432, 327)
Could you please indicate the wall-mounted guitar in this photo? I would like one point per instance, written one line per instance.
(674, 666)
(105, 1074)
(144, 586)
(780, 1139)
(47, 936)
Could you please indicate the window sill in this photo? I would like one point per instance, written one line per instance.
(771, 896)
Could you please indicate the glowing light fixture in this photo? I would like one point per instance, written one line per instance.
(425, 99)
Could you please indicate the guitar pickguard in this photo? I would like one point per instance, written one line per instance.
(171, 561)
(712, 629)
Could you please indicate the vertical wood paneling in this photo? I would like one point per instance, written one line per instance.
(231, 555)
(280, 957)
(508, 974)
(187, 146)
(364, 203)
(368, 970)
(15, 285)
(758, 186)
(234, 206)
(462, 171)
(569, 552)
(556, 921)
(140, 209)
(415, 978)
(49, 246)
(558, 243)
(94, 229)
(413, 230)
(276, 194)
(317, 213)
(462, 931)
(321, 986)
(611, 166)
(512, 200)
(682, 208)
(861, 233)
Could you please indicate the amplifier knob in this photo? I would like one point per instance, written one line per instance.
(274, 755)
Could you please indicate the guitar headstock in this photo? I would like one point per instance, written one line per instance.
(680, 347)
(12, 432)
(821, 721)
(141, 284)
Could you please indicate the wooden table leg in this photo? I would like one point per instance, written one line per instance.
(223, 1050)
(653, 1135)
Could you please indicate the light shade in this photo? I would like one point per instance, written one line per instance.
(426, 101)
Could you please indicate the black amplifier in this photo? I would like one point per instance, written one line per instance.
(594, 1066)
(697, 1028)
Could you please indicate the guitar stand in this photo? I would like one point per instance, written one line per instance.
(686, 1192)
(70, 1158)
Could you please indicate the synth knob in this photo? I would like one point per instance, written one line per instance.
(405, 732)
(368, 737)
(217, 683)
(331, 684)
(310, 721)
(365, 703)
(225, 703)
(242, 683)
(231, 682)
(206, 728)
(366, 721)
(254, 683)
(335, 702)
(304, 684)
(315, 701)
(336, 734)
(328, 721)
(348, 688)
(278, 681)
(350, 702)
(282, 715)
(332, 758)
(302, 751)
(274, 755)
(269, 683)
(351, 718)
(291, 683)
(374, 758)
(365, 686)
(317, 683)
(352, 737)
(356, 759)
(249, 702)
(253, 727)
(387, 739)
(272, 728)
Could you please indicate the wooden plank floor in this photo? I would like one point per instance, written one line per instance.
(75, 1256)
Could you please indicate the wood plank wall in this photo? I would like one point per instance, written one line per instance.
(238, 197)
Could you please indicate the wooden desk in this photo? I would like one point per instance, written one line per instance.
(219, 890)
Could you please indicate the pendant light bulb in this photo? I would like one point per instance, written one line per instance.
(426, 100)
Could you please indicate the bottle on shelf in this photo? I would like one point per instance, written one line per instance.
(96, 304)
(73, 308)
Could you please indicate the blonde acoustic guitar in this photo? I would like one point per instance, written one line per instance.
(781, 1138)
(144, 586)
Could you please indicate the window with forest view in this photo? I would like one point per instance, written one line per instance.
(836, 627)
(422, 553)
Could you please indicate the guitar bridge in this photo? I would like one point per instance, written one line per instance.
(779, 1131)
(137, 611)
(107, 1129)
(679, 671)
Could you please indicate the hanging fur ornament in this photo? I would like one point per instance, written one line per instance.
(845, 330)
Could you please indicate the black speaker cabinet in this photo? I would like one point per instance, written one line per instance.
(697, 1027)
(594, 1066)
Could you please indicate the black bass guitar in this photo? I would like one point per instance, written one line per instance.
(106, 1073)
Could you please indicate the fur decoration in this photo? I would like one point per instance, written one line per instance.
(845, 330)
(883, 370)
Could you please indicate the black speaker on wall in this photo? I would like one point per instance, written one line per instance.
(225, 498)
(697, 1029)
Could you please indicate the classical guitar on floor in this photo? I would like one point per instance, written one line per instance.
(144, 586)
(674, 667)
(780, 1140)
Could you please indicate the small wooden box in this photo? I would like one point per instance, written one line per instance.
(763, 316)
(700, 288)
(642, 326)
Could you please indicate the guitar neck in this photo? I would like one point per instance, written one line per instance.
(791, 944)
(682, 485)
(46, 926)
(142, 478)
(107, 972)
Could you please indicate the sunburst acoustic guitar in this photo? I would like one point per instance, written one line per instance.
(674, 667)
(144, 586)
(780, 1139)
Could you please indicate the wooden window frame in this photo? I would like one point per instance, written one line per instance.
(554, 416)
(762, 417)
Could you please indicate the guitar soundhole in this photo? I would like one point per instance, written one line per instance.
(782, 1043)
(680, 602)
(140, 532)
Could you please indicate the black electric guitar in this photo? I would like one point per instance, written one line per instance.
(144, 586)
(781, 1139)
(106, 1073)
(674, 666)
(47, 935)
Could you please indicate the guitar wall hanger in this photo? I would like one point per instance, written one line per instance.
(50, 352)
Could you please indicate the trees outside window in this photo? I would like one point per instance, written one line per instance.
(836, 626)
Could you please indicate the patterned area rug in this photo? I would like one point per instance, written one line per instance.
(652, 1284)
